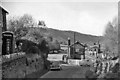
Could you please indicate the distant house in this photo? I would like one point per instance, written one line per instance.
(64, 47)
(42, 24)
(93, 50)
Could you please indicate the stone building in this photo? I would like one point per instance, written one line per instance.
(3, 26)
(77, 50)
(3, 13)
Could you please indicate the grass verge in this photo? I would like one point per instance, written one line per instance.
(36, 75)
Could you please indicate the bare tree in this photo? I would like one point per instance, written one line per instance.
(111, 37)
(26, 21)
(20, 25)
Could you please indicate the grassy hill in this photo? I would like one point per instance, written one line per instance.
(62, 36)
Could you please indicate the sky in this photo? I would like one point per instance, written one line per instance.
(84, 16)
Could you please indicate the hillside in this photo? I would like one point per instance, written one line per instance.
(62, 36)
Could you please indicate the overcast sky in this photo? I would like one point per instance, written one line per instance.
(84, 17)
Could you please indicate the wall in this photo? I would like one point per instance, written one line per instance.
(22, 66)
(1, 30)
(0, 40)
(4, 20)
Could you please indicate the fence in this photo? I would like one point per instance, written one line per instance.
(106, 67)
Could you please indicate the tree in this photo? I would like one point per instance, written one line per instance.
(54, 45)
(111, 37)
(57, 45)
(12, 24)
(20, 32)
(49, 38)
(26, 44)
(20, 25)
(34, 35)
(26, 21)
(43, 46)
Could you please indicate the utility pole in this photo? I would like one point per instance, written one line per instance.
(74, 45)
(84, 51)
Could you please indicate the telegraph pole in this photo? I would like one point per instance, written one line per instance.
(74, 45)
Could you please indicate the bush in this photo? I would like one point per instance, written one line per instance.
(26, 44)
(90, 75)
(115, 69)
(43, 46)
(20, 25)
(33, 50)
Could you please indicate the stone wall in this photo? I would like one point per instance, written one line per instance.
(0, 40)
(0, 30)
(22, 66)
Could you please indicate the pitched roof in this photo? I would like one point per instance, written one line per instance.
(3, 9)
(77, 42)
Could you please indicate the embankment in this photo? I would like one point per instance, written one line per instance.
(21, 66)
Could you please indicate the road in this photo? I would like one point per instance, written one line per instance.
(67, 72)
